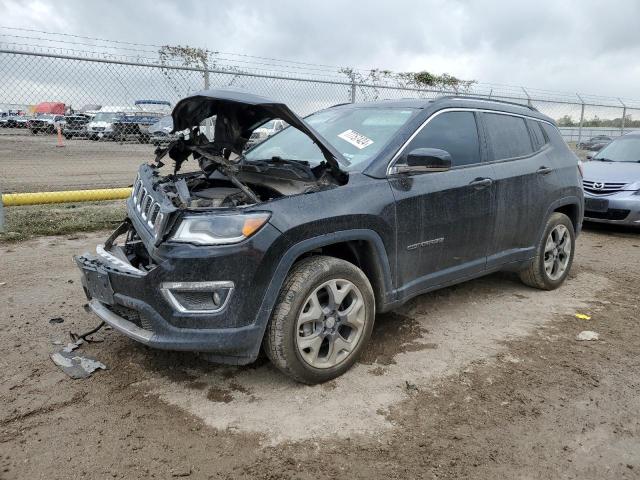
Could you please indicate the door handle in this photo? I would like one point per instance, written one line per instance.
(481, 183)
(543, 170)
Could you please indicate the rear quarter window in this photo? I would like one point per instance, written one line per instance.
(537, 134)
(553, 134)
(507, 135)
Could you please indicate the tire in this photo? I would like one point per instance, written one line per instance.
(537, 274)
(337, 338)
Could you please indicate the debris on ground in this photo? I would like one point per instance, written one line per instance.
(582, 316)
(587, 335)
(2, 284)
(411, 387)
(56, 320)
(75, 337)
(75, 365)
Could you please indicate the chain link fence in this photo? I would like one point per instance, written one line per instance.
(75, 120)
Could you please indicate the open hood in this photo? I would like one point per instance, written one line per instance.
(238, 114)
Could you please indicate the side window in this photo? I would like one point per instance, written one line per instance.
(455, 132)
(553, 134)
(537, 134)
(508, 136)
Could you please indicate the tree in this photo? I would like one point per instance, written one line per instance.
(566, 121)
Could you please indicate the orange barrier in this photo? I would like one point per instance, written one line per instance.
(60, 144)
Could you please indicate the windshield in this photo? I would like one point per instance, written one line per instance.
(105, 117)
(624, 149)
(358, 133)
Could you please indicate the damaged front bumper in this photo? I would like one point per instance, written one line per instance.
(149, 306)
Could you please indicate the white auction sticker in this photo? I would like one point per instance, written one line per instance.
(356, 139)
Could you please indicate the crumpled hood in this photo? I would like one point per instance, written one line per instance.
(238, 114)
(614, 172)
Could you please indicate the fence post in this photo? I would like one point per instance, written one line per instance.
(624, 114)
(581, 118)
(2, 228)
(353, 88)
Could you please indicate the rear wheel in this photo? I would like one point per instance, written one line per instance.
(554, 255)
(322, 320)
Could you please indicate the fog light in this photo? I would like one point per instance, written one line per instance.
(197, 297)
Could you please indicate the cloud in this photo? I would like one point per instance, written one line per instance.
(574, 46)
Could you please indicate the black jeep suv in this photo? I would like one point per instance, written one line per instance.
(295, 244)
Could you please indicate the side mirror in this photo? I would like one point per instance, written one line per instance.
(423, 160)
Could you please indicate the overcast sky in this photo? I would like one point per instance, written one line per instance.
(575, 46)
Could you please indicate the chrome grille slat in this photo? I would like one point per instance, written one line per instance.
(602, 188)
(148, 208)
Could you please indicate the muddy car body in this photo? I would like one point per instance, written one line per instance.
(336, 225)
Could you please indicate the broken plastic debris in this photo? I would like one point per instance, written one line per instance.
(582, 316)
(587, 335)
(74, 364)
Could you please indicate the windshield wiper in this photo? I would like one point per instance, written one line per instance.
(604, 160)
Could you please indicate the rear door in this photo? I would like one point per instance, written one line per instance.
(523, 177)
(445, 219)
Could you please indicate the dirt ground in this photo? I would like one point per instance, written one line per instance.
(33, 163)
(481, 380)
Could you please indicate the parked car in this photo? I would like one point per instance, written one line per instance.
(160, 132)
(260, 134)
(594, 143)
(612, 182)
(76, 125)
(134, 125)
(296, 245)
(19, 121)
(45, 123)
(101, 125)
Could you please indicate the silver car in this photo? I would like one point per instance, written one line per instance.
(612, 183)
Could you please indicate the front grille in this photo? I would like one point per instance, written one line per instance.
(146, 206)
(602, 188)
(611, 214)
(131, 315)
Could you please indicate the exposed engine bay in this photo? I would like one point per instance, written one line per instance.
(247, 184)
(225, 178)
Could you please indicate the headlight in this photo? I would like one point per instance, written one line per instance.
(219, 229)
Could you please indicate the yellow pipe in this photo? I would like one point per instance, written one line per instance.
(40, 198)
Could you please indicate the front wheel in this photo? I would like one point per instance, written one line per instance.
(554, 255)
(322, 320)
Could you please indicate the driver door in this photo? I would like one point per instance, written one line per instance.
(445, 220)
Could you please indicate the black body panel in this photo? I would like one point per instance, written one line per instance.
(410, 233)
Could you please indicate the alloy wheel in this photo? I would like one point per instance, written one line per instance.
(557, 252)
(330, 324)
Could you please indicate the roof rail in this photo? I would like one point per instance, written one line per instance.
(485, 99)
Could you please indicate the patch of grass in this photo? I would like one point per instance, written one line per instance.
(30, 221)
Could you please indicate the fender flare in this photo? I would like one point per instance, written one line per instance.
(294, 252)
(563, 202)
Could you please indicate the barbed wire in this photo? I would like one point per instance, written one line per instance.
(246, 63)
